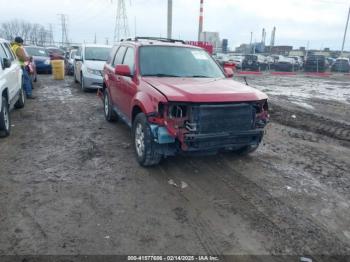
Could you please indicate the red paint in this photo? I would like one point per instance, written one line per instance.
(204, 45)
(249, 73)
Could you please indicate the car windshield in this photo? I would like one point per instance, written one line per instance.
(177, 62)
(97, 53)
(34, 51)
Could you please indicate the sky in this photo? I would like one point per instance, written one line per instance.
(319, 23)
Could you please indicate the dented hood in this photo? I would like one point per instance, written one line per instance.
(204, 89)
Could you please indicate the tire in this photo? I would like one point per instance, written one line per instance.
(246, 150)
(75, 78)
(110, 115)
(145, 147)
(5, 120)
(21, 99)
(83, 88)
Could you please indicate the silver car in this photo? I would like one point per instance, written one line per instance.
(88, 65)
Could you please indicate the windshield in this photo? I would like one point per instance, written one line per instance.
(34, 51)
(177, 62)
(97, 53)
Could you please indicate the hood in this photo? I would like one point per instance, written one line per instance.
(96, 65)
(204, 90)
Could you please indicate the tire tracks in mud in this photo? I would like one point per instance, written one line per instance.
(285, 229)
(321, 164)
(287, 226)
(311, 122)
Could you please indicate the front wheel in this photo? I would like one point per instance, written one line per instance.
(110, 115)
(5, 121)
(82, 84)
(246, 150)
(21, 99)
(145, 147)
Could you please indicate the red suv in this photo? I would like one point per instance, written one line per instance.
(177, 99)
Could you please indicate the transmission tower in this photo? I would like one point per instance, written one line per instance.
(64, 28)
(121, 29)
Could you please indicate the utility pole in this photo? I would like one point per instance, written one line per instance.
(106, 40)
(170, 18)
(64, 28)
(346, 29)
(121, 28)
(251, 41)
(95, 39)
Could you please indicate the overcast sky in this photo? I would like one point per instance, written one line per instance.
(321, 22)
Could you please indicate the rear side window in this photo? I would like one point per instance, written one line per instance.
(119, 56)
(129, 59)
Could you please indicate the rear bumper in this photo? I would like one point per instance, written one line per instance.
(207, 142)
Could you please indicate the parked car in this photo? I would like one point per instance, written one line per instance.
(55, 53)
(178, 100)
(285, 64)
(88, 65)
(341, 64)
(70, 61)
(315, 63)
(40, 57)
(298, 62)
(12, 93)
(254, 63)
(237, 60)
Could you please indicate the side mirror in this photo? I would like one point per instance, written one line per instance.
(228, 72)
(6, 62)
(123, 70)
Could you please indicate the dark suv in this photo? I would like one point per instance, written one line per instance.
(177, 99)
(316, 63)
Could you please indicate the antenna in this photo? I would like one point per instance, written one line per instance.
(121, 29)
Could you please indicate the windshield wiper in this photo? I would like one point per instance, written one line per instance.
(95, 59)
(199, 76)
(162, 75)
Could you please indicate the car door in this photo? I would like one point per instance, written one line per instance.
(115, 86)
(128, 88)
(12, 73)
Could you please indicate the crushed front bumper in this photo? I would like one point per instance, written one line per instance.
(205, 142)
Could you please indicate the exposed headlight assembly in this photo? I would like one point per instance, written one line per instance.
(93, 71)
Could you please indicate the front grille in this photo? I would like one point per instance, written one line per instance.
(206, 119)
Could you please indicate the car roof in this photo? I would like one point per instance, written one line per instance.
(34, 46)
(2, 40)
(156, 42)
(96, 45)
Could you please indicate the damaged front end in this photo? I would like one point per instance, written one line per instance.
(208, 127)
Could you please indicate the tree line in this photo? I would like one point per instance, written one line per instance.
(32, 33)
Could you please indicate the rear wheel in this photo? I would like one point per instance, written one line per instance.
(5, 121)
(145, 147)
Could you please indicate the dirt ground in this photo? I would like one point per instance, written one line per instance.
(69, 183)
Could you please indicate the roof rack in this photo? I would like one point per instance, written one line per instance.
(161, 39)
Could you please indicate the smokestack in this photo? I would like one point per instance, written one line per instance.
(272, 43)
(200, 27)
(263, 36)
(170, 18)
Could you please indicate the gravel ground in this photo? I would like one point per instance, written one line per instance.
(70, 183)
